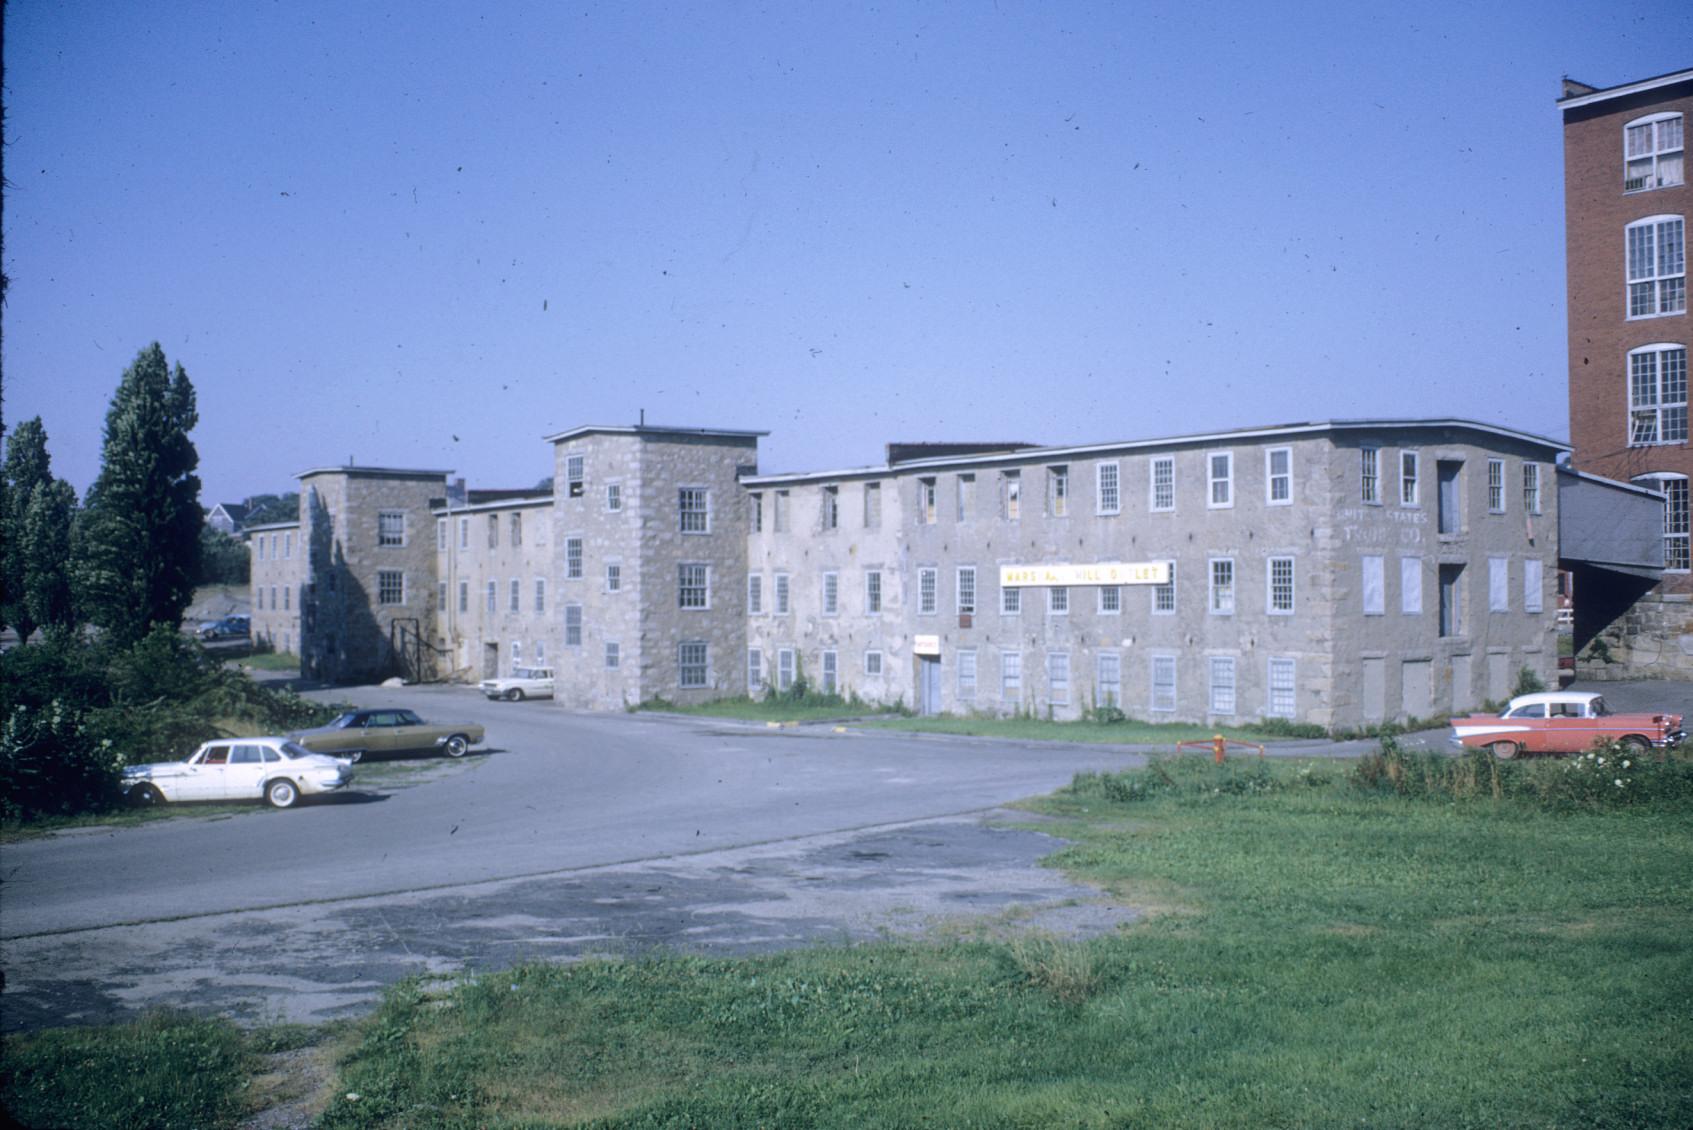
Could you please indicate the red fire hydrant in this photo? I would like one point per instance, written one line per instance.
(1218, 743)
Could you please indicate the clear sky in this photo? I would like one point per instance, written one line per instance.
(428, 234)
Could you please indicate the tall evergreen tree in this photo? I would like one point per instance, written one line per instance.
(139, 539)
(46, 552)
(27, 467)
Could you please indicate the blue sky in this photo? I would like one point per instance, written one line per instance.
(425, 234)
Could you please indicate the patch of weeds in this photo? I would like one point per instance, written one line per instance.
(1190, 777)
(1070, 972)
(1610, 775)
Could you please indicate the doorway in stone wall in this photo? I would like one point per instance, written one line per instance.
(928, 684)
(490, 660)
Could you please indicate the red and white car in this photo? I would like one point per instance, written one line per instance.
(1563, 722)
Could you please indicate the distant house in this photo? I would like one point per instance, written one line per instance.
(229, 517)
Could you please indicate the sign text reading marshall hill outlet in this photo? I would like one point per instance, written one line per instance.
(1105, 573)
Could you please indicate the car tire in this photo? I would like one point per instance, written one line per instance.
(515, 694)
(1637, 742)
(146, 796)
(1504, 751)
(282, 793)
(455, 746)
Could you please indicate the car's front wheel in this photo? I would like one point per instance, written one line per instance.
(456, 746)
(282, 794)
(515, 694)
(145, 796)
(1637, 743)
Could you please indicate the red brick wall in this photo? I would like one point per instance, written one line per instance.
(1596, 212)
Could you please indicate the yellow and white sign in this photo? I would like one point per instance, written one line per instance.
(926, 645)
(1105, 573)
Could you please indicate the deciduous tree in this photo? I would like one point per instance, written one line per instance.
(27, 466)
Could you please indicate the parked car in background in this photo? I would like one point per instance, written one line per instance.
(359, 732)
(228, 628)
(522, 683)
(274, 769)
(1563, 722)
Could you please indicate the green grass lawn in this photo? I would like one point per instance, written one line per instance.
(775, 708)
(1319, 950)
(270, 661)
(1128, 732)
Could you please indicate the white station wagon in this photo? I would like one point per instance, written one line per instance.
(522, 683)
(274, 769)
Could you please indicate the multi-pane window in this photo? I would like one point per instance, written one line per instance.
(514, 598)
(464, 596)
(831, 510)
(1498, 584)
(573, 476)
(516, 654)
(1164, 595)
(441, 535)
(493, 531)
(692, 586)
(831, 672)
(755, 669)
(755, 594)
(1531, 488)
(779, 518)
(1411, 586)
(514, 531)
(693, 509)
(1108, 493)
(1281, 586)
(967, 675)
(1657, 395)
(390, 587)
(391, 527)
(1110, 599)
(784, 668)
(613, 577)
(872, 506)
(287, 546)
(1220, 469)
(613, 655)
(1163, 482)
(691, 665)
(441, 596)
(1058, 491)
(573, 559)
(1283, 702)
(1653, 153)
(1657, 267)
(1222, 586)
(540, 652)
(1058, 600)
(1108, 679)
(1058, 678)
(464, 533)
(966, 589)
(1010, 600)
(966, 494)
(755, 511)
(872, 590)
(614, 497)
(1163, 682)
(286, 598)
(1373, 568)
(540, 594)
(1010, 676)
(1408, 478)
(926, 501)
(1278, 476)
(781, 581)
(1369, 474)
(831, 594)
(1222, 684)
(872, 663)
(1011, 494)
(927, 582)
(1676, 548)
(1495, 486)
(493, 596)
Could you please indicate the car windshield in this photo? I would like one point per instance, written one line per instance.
(293, 750)
(343, 721)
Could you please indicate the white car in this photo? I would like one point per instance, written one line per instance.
(274, 769)
(522, 683)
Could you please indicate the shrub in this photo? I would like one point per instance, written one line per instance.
(1610, 775)
(1528, 682)
(1196, 778)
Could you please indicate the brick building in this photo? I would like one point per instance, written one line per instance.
(1626, 204)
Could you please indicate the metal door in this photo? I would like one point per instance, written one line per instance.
(928, 684)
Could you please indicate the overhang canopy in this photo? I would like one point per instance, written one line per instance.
(1611, 525)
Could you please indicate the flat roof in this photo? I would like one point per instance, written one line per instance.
(269, 526)
(441, 506)
(376, 472)
(1276, 431)
(649, 429)
(1570, 102)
